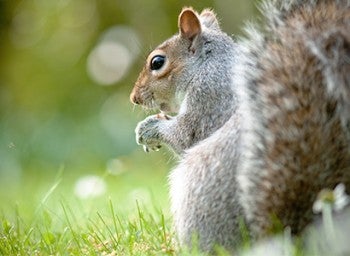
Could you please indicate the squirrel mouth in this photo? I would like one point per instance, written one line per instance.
(166, 108)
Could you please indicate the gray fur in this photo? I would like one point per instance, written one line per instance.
(204, 89)
(203, 191)
(315, 153)
(287, 136)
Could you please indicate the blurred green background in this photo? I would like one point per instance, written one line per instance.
(66, 70)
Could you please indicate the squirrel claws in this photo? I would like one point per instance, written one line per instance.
(147, 149)
(148, 134)
(163, 116)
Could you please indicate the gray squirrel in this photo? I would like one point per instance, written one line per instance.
(283, 134)
(189, 74)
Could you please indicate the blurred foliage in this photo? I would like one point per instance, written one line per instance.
(52, 113)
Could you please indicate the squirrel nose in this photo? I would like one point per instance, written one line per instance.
(135, 99)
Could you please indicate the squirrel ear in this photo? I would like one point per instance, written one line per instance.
(208, 18)
(189, 24)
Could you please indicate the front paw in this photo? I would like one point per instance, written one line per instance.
(147, 133)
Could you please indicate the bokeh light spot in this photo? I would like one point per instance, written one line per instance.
(113, 56)
(89, 186)
(115, 166)
(108, 63)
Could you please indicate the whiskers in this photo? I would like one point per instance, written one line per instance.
(133, 107)
(148, 109)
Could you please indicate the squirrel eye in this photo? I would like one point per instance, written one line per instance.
(157, 62)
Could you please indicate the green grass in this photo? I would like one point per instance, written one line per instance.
(63, 234)
(40, 214)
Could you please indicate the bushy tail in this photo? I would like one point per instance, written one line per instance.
(296, 98)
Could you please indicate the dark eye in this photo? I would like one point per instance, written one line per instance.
(157, 62)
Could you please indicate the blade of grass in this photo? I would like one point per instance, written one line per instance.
(164, 230)
(113, 218)
(108, 229)
(140, 216)
(27, 236)
(97, 237)
(58, 180)
(70, 227)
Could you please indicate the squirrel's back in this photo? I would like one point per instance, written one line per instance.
(295, 86)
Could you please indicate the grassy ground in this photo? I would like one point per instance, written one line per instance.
(63, 233)
(52, 213)
(45, 214)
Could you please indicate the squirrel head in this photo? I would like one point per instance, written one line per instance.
(166, 68)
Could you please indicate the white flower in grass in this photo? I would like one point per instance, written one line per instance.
(341, 198)
(337, 198)
(274, 246)
(89, 186)
(329, 235)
